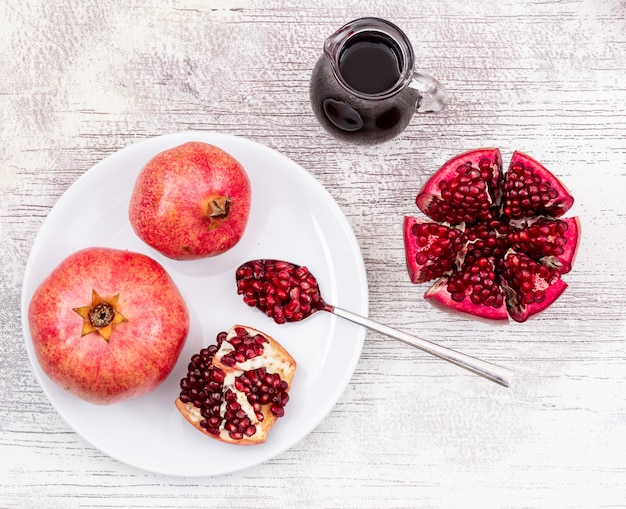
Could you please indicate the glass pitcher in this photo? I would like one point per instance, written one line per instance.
(364, 88)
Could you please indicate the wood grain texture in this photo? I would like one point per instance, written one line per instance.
(82, 79)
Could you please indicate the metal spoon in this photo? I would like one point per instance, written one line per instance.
(287, 293)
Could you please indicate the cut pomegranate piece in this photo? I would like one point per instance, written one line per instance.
(480, 215)
(529, 190)
(432, 249)
(530, 286)
(463, 189)
(551, 241)
(475, 289)
(234, 391)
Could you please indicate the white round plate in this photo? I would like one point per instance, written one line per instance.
(292, 218)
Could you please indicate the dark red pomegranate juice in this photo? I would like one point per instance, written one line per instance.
(370, 66)
(358, 110)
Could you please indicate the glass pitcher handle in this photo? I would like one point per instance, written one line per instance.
(433, 96)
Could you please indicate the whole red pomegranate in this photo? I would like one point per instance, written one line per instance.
(235, 390)
(108, 325)
(496, 244)
(191, 201)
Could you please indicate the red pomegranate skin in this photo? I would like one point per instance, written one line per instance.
(141, 351)
(173, 205)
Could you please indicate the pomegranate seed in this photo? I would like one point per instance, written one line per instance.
(217, 375)
(278, 411)
(228, 360)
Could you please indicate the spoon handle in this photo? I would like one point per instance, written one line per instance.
(485, 369)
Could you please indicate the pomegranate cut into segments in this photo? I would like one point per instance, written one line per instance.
(235, 390)
(496, 243)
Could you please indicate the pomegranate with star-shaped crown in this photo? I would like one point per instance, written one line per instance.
(108, 325)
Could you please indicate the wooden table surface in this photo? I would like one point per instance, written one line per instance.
(80, 80)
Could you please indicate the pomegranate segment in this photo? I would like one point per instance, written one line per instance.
(530, 286)
(235, 390)
(530, 190)
(551, 241)
(432, 249)
(495, 242)
(475, 289)
(282, 290)
(463, 189)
